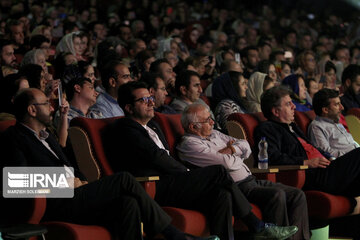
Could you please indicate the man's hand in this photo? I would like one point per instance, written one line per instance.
(317, 162)
(229, 149)
(76, 183)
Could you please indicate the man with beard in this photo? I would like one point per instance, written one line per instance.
(325, 131)
(164, 69)
(209, 190)
(7, 57)
(351, 83)
(116, 202)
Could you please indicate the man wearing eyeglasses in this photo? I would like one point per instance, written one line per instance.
(209, 190)
(203, 146)
(156, 87)
(113, 75)
(116, 202)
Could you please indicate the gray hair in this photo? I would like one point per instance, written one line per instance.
(189, 116)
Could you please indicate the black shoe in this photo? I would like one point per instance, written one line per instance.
(271, 231)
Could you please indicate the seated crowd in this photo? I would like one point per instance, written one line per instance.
(202, 61)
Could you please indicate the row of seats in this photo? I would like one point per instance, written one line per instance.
(86, 138)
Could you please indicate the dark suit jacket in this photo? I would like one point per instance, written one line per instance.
(20, 147)
(133, 150)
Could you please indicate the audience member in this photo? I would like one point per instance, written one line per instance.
(8, 60)
(231, 89)
(203, 146)
(162, 66)
(121, 204)
(258, 83)
(287, 145)
(156, 87)
(351, 86)
(188, 90)
(296, 84)
(209, 190)
(325, 131)
(81, 94)
(113, 75)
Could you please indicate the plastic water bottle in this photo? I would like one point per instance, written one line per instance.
(263, 155)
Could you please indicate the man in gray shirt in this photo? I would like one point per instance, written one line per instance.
(203, 146)
(325, 132)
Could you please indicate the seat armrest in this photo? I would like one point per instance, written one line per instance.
(292, 175)
(149, 184)
(265, 174)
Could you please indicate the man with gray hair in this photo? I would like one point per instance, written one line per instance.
(203, 146)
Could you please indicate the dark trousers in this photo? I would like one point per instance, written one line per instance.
(280, 204)
(117, 202)
(341, 177)
(209, 190)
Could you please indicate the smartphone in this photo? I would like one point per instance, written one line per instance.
(237, 57)
(60, 95)
(210, 59)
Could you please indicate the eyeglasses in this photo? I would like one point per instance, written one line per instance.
(44, 103)
(208, 120)
(145, 99)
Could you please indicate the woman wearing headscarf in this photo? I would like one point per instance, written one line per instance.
(71, 42)
(258, 83)
(230, 90)
(297, 84)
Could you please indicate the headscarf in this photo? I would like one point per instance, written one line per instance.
(292, 81)
(66, 44)
(164, 46)
(30, 56)
(223, 88)
(254, 91)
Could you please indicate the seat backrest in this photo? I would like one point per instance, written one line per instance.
(354, 126)
(171, 126)
(85, 136)
(303, 119)
(5, 124)
(248, 122)
(354, 111)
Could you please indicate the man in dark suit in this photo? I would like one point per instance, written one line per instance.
(117, 202)
(209, 190)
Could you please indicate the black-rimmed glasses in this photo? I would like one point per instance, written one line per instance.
(145, 99)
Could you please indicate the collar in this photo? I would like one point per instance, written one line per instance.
(325, 119)
(77, 110)
(109, 97)
(199, 137)
(43, 134)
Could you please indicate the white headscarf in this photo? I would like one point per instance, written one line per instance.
(254, 91)
(66, 44)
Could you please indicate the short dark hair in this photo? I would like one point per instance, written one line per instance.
(21, 102)
(184, 80)
(350, 72)
(245, 52)
(3, 43)
(322, 99)
(150, 79)
(108, 71)
(329, 65)
(271, 98)
(125, 93)
(155, 66)
(204, 39)
(71, 84)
